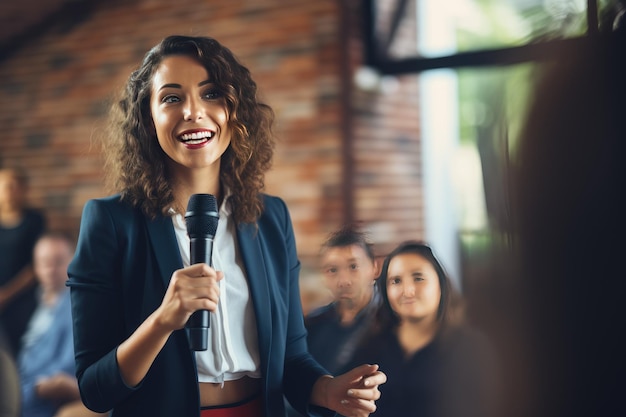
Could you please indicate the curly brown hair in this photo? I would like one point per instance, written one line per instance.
(136, 164)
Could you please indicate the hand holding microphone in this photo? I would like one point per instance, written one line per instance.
(201, 219)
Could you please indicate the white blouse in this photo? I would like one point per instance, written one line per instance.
(233, 349)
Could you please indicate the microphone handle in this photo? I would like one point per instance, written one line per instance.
(199, 321)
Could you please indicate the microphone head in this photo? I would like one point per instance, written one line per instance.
(201, 216)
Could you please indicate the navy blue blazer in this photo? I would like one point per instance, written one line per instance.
(118, 277)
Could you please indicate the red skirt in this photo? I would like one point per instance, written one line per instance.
(252, 407)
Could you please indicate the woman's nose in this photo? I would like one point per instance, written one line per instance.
(192, 110)
(409, 290)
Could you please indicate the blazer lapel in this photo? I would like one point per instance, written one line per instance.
(252, 255)
(164, 244)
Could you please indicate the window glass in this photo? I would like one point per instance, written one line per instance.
(470, 115)
(469, 128)
(438, 28)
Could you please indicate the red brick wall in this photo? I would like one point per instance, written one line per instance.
(55, 89)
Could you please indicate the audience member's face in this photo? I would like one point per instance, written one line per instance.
(349, 274)
(413, 287)
(189, 114)
(11, 191)
(51, 258)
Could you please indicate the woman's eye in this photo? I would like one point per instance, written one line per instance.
(212, 94)
(170, 99)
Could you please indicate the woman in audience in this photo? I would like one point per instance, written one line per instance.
(436, 365)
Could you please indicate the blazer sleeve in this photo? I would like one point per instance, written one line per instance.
(301, 370)
(94, 281)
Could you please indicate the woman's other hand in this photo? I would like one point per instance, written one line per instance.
(352, 394)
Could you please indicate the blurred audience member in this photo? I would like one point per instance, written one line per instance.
(46, 361)
(437, 365)
(20, 227)
(570, 228)
(349, 269)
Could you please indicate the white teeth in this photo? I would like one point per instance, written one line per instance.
(198, 137)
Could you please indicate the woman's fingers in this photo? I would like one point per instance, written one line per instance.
(370, 394)
(199, 282)
(190, 289)
(353, 407)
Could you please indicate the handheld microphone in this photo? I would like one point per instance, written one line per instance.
(201, 219)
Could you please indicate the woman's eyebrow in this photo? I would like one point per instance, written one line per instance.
(169, 86)
(174, 85)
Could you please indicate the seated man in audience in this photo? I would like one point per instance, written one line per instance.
(46, 361)
(350, 270)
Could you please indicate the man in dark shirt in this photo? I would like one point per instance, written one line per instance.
(350, 269)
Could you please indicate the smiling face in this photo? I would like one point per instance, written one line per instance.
(413, 287)
(189, 115)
